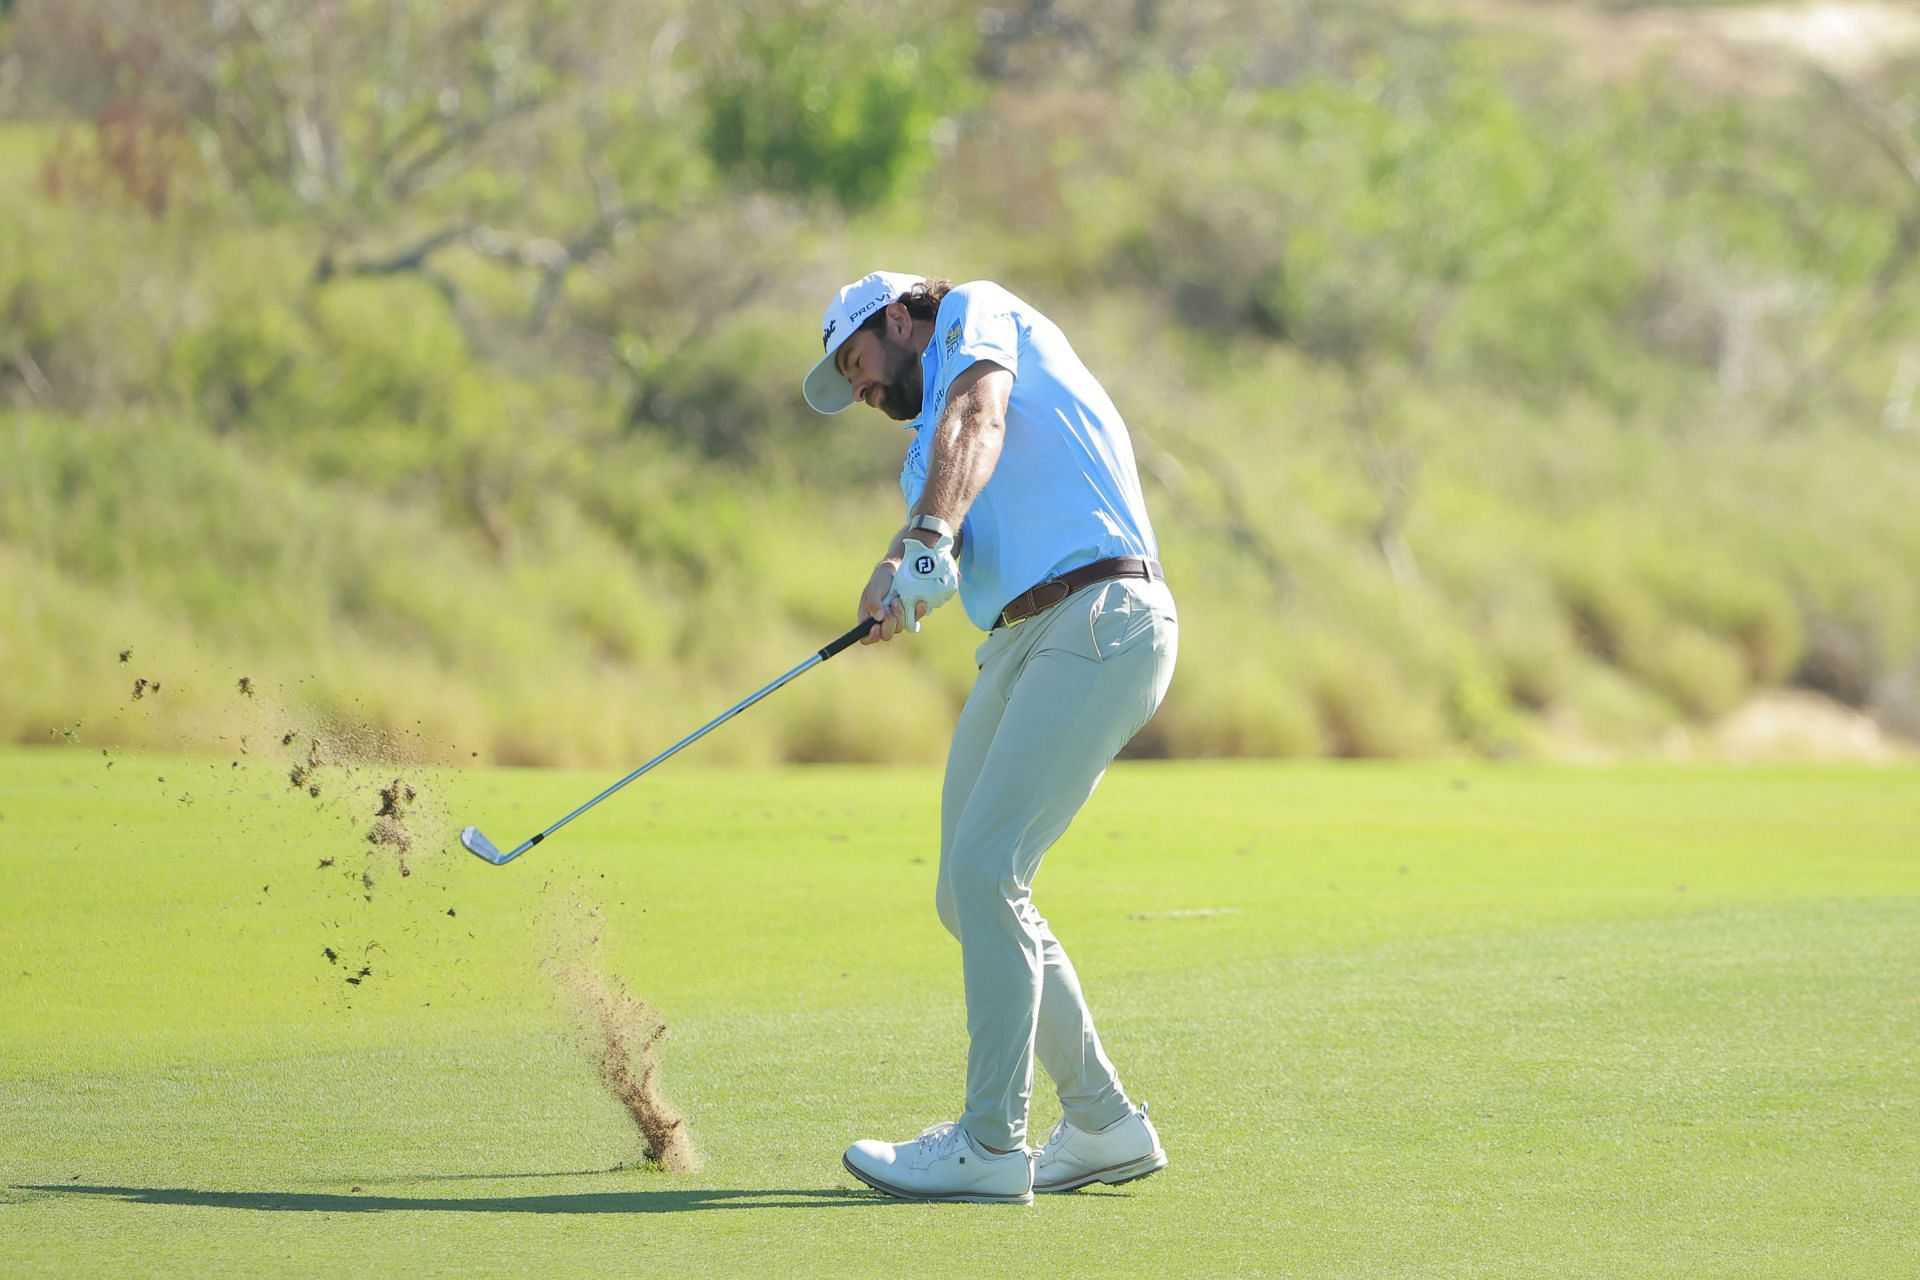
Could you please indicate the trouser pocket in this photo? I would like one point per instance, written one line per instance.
(1124, 614)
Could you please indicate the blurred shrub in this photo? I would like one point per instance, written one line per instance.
(1535, 654)
(1214, 712)
(1365, 707)
(1613, 613)
(733, 394)
(834, 99)
(1703, 676)
(1433, 220)
(1728, 597)
(393, 351)
(251, 364)
(1622, 617)
(81, 321)
(1604, 710)
(1479, 709)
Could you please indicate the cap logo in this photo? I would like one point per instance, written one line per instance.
(826, 335)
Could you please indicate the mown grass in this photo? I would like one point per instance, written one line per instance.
(1393, 1020)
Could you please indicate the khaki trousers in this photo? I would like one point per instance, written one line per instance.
(1057, 697)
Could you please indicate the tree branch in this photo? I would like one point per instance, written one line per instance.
(412, 258)
(552, 258)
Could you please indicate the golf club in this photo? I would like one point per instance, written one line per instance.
(477, 843)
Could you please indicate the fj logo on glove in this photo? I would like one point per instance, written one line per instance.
(923, 565)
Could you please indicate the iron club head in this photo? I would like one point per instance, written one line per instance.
(478, 844)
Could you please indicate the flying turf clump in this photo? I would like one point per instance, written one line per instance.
(305, 776)
(390, 823)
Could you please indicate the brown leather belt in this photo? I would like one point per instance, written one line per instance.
(1038, 599)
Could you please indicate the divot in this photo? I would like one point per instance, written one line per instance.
(619, 1033)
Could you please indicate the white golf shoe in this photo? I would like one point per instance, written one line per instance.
(943, 1163)
(1128, 1148)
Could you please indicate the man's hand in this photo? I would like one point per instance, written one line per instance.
(889, 617)
(926, 578)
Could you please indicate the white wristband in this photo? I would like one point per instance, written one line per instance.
(930, 524)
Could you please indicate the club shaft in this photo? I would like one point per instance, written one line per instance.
(850, 638)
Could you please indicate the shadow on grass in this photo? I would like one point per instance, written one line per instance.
(631, 1167)
(663, 1201)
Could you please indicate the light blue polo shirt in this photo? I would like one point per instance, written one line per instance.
(1065, 491)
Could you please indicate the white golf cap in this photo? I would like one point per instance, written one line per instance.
(823, 387)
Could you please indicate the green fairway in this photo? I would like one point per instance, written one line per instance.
(1434, 1020)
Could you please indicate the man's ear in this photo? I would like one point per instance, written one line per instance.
(899, 321)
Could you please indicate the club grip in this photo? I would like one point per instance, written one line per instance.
(852, 637)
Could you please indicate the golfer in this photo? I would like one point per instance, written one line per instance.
(1023, 499)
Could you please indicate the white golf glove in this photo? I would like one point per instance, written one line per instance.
(927, 575)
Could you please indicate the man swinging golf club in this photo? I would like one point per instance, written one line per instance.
(1022, 498)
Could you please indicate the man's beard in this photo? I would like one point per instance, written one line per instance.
(902, 389)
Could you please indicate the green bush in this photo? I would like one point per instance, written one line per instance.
(251, 364)
(1613, 613)
(1729, 599)
(1703, 676)
(838, 100)
(1372, 219)
(1535, 653)
(1364, 705)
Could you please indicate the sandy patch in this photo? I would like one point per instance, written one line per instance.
(1794, 725)
(1733, 48)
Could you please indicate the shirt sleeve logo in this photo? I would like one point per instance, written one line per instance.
(952, 340)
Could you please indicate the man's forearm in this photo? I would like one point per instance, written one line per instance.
(966, 447)
(961, 462)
